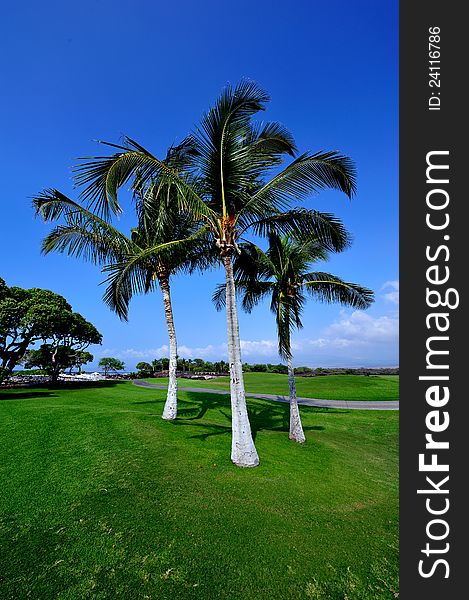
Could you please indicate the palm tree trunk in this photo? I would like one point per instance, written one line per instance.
(243, 451)
(296, 429)
(170, 407)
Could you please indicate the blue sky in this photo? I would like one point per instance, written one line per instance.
(76, 72)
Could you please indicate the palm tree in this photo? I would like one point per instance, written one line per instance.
(160, 223)
(228, 186)
(283, 273)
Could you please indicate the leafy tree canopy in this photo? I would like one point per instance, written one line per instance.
(144, 368)
(30, 315)
(111, 364)
(54, 359)
(80, 358)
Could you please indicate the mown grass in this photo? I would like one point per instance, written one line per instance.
(102, 499)
(326, 387)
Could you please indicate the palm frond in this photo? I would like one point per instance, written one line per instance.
(51, 204)
(85, 234)
(91, 244)
(253, 293)
(263, 146)
(272, 139)
(219, 296)
(329, 288)
(303, 225)
(125, 280)
(250, 293)
(251, 264)
(199, 255)
(308, 174)
(101, 178)
(137, 273)
(222, 160)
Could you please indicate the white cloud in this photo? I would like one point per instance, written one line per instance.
(393, 295)
(362, 328)
(205, 352)
(331, 342)
(259, 348)
(354, 338)
(132, 353)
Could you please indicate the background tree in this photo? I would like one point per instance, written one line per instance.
(163, 363)
(72, 334)
(157, 365)
(144, 369)
(51, 360)
(80, 358)
(30, 315)
(221, 366)
(199, 364)
(280, 368)
(282, 274)
(111, 364)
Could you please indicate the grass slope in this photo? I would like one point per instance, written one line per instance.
(326, 387)
(102, 499)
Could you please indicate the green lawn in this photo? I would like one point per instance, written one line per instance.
(327, 387)
(101, 499)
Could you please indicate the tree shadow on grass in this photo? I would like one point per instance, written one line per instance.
(77, 385)
(264, 415)
(38, 390)
(9, 395)
(203, 403)
(160, 401)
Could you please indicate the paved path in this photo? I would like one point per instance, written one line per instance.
(361, 405)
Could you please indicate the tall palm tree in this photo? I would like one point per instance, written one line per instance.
(160, 223)
(191, 254)
(228, 185)
(283, 273)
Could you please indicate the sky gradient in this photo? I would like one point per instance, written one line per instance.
(76, 72)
